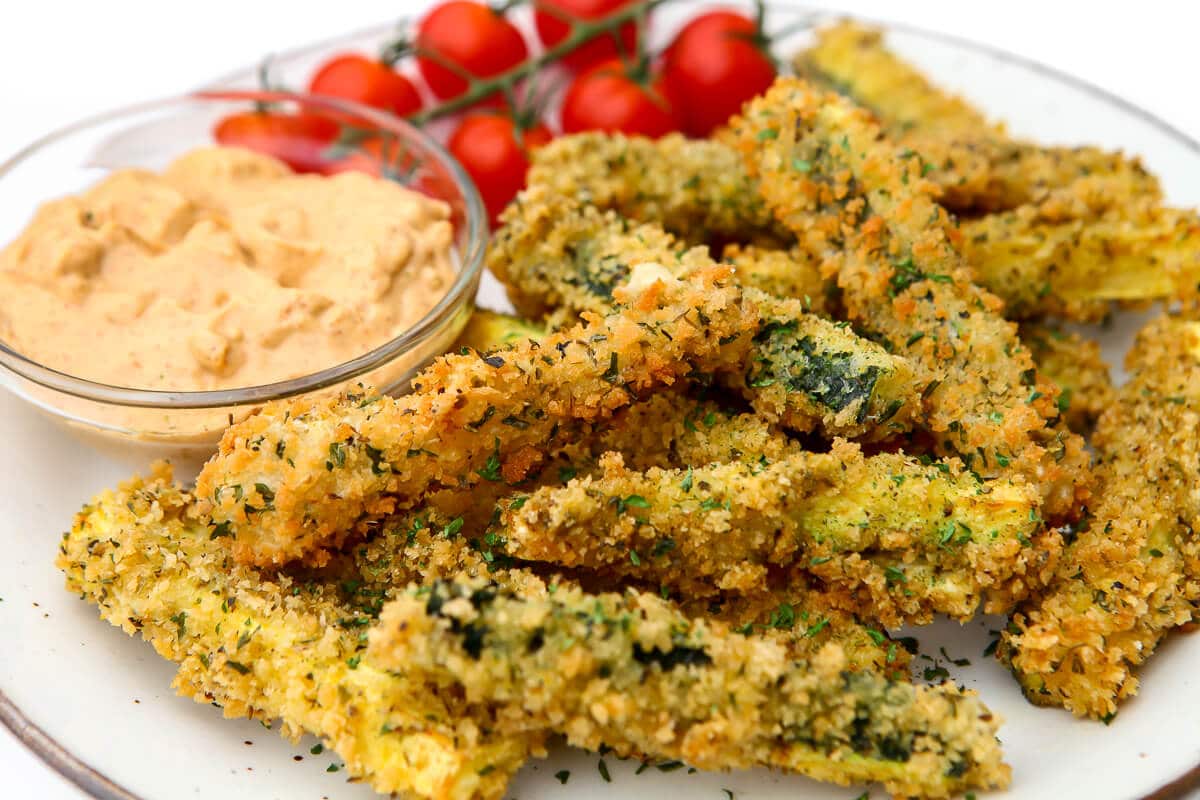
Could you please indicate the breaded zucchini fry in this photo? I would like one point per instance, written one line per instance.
(669, 428)
(558, 258)
(453, 536)
(489, 330)
(852, 60)
(888, 538)
(974, 164)
(628, 672)
(1077, 269)
(783, 273)
(263, 646)
(1074, 364)
(695, 188)
(672, 429)
(802, 371)
(792, 619)
(439, 540)
(852, 197)
(1133, 573)
(292, 480)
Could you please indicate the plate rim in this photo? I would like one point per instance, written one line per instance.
(98, 786)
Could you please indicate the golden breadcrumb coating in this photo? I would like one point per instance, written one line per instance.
(848, 193)
(888, 538)
(629, 672)
(802, 371)
(1077, 269)
(852, 59)
(292, 480)
(786, 618)
(1073, 362)
(1133, 570)
(669, 428)
(783, 273)
(695, 188)
(265, 646)
(455, 534)
(974, 164)
(672, 429)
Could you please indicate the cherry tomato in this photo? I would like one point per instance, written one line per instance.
(471, 36)
(487, 147)
(358, 161)
(379, 156)
(714, 65)
(362, 80)
(298, 140)
(382, 159)
(609, 98)
(552, 28)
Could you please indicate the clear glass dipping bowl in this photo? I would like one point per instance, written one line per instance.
(187, 424)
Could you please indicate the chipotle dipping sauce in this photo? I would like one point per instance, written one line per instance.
(225, 271)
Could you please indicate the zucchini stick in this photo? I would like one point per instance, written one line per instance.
(629, 672)
(265, 646)
(695, 188)
(888, 538)
(861, 203)
(1133, 571)
(1078, 269)
(1074, 364)
(802, 371)
(453, 535)
(974, 164)
(293, 480)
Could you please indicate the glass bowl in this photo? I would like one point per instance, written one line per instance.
(181, 424)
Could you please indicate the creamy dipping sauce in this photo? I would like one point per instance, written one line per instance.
(225, 271)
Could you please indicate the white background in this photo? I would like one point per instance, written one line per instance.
(60, 61)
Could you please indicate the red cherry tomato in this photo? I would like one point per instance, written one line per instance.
(382, 159)
(358, 161)
(714, 65)
(552, 28)
(379, 156)
(608, 98)
(362, 80)
(487, 147)
(471, 36)
(298, 140)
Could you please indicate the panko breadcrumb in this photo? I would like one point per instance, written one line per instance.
(292, 480)
(783, 273)
(1074, 363)
(851, 195)
(889, 539)
(1079, 268)
(265, 646)
(802, 370)
(974, 164)
(697, 189)
(630, 673)
(1133, 571)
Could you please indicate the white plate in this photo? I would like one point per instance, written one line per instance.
(97, 706)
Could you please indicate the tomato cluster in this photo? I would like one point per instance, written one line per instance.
(715, 63)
